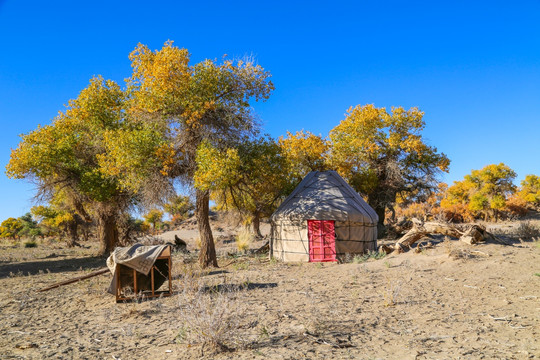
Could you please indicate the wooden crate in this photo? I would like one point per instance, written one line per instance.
(131, 284)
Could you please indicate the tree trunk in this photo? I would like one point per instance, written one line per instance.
(107, 233)
(257, 224)
(73, 237)
(381, 213)
(207, 256)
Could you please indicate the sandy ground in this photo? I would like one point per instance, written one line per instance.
(453, 301)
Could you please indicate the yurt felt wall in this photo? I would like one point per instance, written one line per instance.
(323, 196)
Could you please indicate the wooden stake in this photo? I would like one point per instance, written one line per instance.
(70, 281)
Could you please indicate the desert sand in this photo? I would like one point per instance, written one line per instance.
(452, 301)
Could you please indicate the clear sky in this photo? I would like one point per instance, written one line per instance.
(472, 66)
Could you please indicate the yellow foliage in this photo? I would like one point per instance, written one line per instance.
(383, 154)
(530, 190)
(483, 192)
(304, 152)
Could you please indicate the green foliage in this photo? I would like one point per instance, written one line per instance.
(153, 217)
(249, 178)
(383, 154)
(67, 159)
(484, 192)
(134, 154)
(66, 151)
(30, 226)
(179, 207)
(30, 244)
(362, 258)
(206, 101)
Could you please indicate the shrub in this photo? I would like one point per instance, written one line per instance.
(527, 230)
(211, 318)
(30, 244)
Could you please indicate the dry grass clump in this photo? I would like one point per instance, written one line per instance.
(211, 316)
(391, 291)
(394, 288)
(244, 240)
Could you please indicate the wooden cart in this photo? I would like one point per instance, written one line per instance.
(131, 284)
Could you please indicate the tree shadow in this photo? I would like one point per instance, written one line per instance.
(217, 272)
(52, 266)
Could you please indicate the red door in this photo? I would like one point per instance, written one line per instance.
(322, 240)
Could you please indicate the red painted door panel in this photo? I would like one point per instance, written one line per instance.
(322, 240)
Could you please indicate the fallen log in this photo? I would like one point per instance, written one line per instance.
(79, 278)
(472, 234)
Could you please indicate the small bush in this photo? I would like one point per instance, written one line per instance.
(30, 244)
(527, 231)
(211, 318)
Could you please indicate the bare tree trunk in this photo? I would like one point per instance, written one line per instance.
(73, 237)
(107, 233)
(257, 224)
(207, 256)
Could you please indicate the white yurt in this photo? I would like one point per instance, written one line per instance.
(322, 220)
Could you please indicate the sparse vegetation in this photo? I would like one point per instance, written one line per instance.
(362, 258)
(527, 230)
(391, 291)
(210, 317)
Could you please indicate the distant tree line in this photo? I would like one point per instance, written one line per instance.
(50, 221)
(486, 194)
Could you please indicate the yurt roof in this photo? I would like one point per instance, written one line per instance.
(324, 195)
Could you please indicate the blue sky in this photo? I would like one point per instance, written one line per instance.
(473, 67)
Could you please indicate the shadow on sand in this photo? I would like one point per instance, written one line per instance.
(53, 266)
